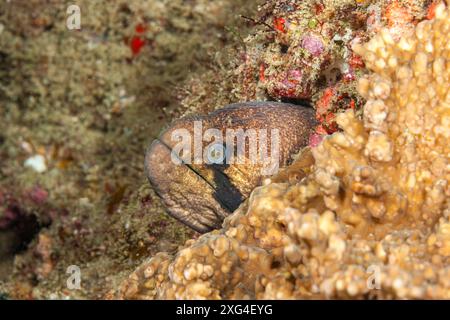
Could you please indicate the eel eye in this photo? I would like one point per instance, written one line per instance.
(216, 154)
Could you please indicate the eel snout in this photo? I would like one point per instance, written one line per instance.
(203, 167)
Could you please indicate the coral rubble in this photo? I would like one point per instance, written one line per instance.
(370, 216)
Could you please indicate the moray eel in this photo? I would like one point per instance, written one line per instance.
(204, 167)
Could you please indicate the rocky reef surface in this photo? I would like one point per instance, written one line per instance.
(78, 108)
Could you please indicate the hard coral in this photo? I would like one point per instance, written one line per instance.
(369, 219)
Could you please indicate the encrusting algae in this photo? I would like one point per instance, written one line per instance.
(367, 214)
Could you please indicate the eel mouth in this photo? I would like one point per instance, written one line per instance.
(202, 194)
